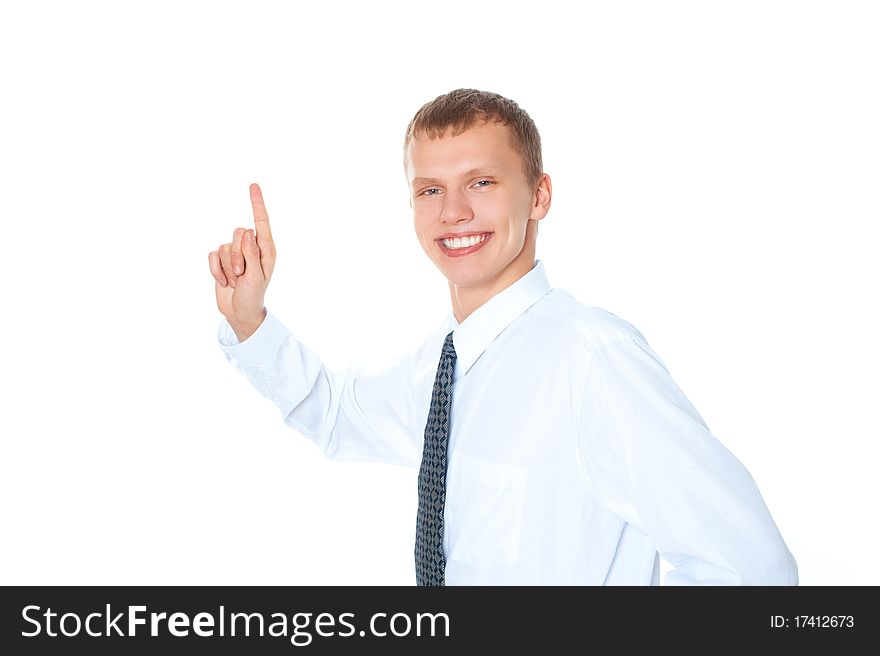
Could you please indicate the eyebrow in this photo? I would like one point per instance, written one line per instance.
(477, 170)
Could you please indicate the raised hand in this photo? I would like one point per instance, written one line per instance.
(242, 270)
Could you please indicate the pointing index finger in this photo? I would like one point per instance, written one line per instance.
(261, 217)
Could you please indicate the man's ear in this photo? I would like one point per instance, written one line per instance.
(543, 195)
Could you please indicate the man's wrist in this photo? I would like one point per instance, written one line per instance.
(244, 328)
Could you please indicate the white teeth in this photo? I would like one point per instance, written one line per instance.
(463, 243)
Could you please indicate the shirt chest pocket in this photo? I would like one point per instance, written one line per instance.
(484, 510)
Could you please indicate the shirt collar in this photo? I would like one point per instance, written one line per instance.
(472, 336)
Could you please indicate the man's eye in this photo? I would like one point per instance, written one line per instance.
(425, 192)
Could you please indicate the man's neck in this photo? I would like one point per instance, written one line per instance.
(466, 300)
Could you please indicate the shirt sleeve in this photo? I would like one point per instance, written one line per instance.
(349, 414)
(651, 459)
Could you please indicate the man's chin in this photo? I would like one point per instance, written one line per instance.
(461, 277)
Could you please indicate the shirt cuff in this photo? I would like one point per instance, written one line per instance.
(259, 347)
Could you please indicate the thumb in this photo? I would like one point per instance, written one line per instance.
(251, 254)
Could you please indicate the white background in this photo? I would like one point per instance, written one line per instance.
(715, 173)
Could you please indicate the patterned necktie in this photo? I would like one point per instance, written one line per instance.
(430, 560)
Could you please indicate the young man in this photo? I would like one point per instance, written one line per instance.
(552, 444)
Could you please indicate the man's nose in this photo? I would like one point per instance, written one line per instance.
(456, 206)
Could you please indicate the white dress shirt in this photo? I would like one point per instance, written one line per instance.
(574, 458)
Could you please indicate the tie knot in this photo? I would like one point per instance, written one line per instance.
(449, 347)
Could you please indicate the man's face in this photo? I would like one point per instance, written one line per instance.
(474, 184)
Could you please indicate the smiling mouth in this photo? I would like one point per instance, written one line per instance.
(466, 242)
(465, 247)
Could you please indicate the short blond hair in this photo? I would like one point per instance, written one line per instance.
(462, 108)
